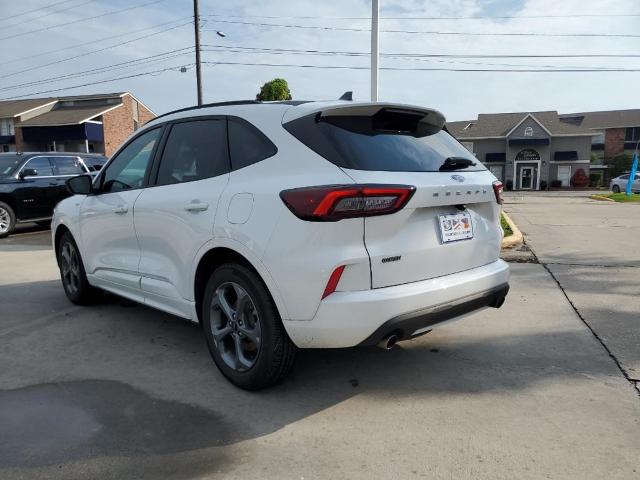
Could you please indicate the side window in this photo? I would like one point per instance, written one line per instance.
(248, 145)
(41, 165)
(127, 170)
(67, 166)
(194, 150)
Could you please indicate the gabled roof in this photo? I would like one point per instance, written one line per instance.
(15, 108)
(499, 125)
(604, 119)
(68, 116)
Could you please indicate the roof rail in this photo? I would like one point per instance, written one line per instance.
(207, 105)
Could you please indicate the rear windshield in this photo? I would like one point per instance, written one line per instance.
(393, 143)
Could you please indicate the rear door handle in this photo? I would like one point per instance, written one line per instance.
(196, 206)
(121, 209)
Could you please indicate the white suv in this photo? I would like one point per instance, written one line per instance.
(292, 224)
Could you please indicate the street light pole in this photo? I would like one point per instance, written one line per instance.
(374, 50)
(196, 25)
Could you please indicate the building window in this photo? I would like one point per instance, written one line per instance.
(597, 139)
(632, 134)
(467, 145)
(528, 132)
(6, 127)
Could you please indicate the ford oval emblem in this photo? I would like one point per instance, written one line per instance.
(457, 178)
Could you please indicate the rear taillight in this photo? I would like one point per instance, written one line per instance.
(497, 189)
(331, 203)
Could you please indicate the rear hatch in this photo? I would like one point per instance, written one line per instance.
(449, 225)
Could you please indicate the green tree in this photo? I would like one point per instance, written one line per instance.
(620, 164)
(276, 89)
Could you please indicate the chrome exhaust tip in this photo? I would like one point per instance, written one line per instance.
(387, 343)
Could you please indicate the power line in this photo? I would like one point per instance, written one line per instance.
(93, 51)
(403, 57)
(351, 67)
(84, 19)
(472, 17)
(425, 55)
(116, 66)
(34, 10)
(341, 67)
(432, 32)
(153, 72)
(100, 40)
(49, 14)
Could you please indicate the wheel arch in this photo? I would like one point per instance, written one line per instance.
(213, 257)
(8, 199)
(60, 231)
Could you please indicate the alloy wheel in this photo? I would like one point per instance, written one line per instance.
(5, 220)
(70, 267)
(235, 326)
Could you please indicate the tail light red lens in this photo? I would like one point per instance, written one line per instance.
(497, 189)
(331, 203)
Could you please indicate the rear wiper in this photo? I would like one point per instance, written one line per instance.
(456, 163)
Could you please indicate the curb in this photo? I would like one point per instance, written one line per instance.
(601, 198)
(516, 238)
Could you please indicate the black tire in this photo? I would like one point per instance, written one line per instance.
(7, 220)
(72, 273)
(272, 356)
(615, 189)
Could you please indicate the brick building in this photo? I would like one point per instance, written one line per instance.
(83, 123)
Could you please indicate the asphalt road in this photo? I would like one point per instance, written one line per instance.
(118, 391)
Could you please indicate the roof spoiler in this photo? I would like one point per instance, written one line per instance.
(348, 96)
(433, 120)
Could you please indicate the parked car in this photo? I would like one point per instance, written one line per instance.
(32, 183)
(289, 224)
(619, 184)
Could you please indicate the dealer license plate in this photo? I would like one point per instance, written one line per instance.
(455, 227)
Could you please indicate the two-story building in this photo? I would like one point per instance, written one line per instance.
(615, 132)
(83, 123)
(527, 150)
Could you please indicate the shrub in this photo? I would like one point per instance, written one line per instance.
(620, 164)
(509, 185)
(543, 185)
(595, 179)
(579, 179)
(556, 183)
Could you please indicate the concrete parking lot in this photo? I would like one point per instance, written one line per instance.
(534, 390)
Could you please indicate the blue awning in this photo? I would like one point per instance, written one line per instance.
(495, 157)
(570, 155)
(83, 131)
(528, 141)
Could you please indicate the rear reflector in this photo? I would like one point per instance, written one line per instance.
(497, 189)
(333, 281)
(331, 203)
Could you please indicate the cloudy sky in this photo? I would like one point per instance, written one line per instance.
(56, 45)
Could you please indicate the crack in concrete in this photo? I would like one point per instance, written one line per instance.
(635, 384)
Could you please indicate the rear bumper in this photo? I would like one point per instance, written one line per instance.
(346, 319)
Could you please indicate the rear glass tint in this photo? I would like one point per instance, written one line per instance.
(395, 143)
(247, 144)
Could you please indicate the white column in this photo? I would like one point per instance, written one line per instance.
(374, 50)
(86, 145)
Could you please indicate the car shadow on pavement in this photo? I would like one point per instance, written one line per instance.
(122, 380)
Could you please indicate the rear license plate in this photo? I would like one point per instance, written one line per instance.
(455, 227)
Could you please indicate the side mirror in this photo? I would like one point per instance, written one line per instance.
(28, 172)
(80, 185)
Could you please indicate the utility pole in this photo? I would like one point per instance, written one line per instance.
(374, 50)
(196, 26)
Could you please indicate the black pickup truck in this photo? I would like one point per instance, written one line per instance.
(31, 184)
